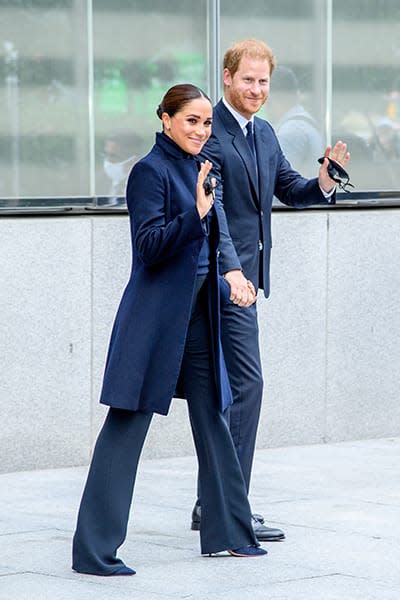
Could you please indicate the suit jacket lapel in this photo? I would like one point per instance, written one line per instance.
(261, 143)
(244, 150)
(241, 145)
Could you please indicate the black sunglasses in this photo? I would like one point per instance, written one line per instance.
(209, 186)
(337, 173)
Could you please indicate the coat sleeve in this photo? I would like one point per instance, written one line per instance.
(228, 258)
(156, 236)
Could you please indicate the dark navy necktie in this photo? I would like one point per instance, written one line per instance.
(250, 138)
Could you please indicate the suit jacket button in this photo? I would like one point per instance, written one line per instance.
(260, 245)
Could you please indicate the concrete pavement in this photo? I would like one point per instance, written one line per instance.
(339, 505)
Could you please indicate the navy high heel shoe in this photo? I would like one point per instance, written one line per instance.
(124, 570)
(247, 551)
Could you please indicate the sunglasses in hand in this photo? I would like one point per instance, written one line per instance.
(209, 185)
(337, 173)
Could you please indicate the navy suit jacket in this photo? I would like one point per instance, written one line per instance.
(244, 200)
(149, 333)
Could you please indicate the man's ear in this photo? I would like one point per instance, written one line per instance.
(227, 77)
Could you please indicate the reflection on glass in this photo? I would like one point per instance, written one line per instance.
(366, 89)
(385, 142)
(297, 130)
(43, 95)
(117, 163)
(141, 48)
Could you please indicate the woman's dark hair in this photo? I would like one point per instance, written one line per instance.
(176, 98)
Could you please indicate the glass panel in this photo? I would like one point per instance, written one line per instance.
(43, 99)
(141, 48)
(295, 30)
(366, 89)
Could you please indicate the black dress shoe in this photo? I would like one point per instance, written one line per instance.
(258, 517)
(263, 533)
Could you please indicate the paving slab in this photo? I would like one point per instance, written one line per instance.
(339, 505)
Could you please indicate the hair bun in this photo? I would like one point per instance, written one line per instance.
(159, 111)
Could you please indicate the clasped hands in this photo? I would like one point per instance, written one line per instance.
(340, 154)
(243, 292)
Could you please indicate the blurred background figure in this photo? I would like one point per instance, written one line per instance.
(385, 143)
(119, 155)
(297, 130)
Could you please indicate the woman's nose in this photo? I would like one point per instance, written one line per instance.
(201, 130)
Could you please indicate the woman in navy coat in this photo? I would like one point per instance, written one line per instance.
(166, 342)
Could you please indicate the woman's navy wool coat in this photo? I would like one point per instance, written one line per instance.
(148, 337)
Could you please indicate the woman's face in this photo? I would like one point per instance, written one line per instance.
(190, 128)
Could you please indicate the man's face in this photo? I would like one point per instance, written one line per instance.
(248, 89)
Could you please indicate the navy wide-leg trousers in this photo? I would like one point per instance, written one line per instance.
(104, 510)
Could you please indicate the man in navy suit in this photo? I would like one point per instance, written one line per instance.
(251, 168)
